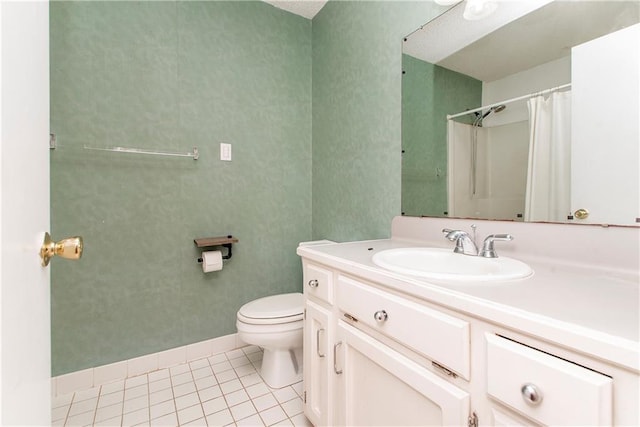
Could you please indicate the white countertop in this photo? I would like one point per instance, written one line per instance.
(592, 310)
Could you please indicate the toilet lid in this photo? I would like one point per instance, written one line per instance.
(273, 307)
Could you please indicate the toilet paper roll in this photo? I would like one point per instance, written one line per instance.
(211, 261)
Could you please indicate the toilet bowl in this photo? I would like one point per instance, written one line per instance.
(275, 323)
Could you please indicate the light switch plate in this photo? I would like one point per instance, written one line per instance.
(225, 152)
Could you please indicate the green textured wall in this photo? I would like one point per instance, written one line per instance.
(173, 75)
(357, 63)
(429, 93)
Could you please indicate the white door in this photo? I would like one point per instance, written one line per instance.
(25, 368)
(377, 386)
(605, 136)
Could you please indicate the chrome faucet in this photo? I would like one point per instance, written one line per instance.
(464, 244)
(487, 247)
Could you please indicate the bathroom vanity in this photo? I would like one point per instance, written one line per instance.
(560, 347)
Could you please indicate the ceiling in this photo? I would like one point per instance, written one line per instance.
(306, 8)
(519, 40)
(551, 27)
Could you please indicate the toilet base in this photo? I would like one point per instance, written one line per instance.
(282, 367)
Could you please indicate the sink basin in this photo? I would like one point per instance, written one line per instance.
(444, 264)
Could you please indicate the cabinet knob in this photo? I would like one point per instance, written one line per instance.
(380, 316)
(313, 283)
(531, 394)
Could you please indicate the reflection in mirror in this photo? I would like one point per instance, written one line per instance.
(530, 114)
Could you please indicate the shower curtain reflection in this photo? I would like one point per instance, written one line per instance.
(548, 195)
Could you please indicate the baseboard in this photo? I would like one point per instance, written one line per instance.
(93, 377)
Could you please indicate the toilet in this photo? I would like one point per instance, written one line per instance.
(275, 323)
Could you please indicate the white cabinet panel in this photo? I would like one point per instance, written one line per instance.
(377, 386)
(501, 419)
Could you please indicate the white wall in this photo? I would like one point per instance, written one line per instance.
(545, 76)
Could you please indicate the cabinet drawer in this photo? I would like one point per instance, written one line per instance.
(440, 337)
(560, 392)
(318, 282)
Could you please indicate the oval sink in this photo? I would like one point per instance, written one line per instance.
(444, 264)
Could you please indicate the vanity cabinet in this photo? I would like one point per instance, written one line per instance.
(375, 355)
(352, 378)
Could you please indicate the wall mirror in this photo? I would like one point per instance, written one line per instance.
(529, 114)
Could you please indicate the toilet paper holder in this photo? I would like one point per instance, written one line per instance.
(225, 242)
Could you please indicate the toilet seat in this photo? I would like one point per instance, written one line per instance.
(275, 309)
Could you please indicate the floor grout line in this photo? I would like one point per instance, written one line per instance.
(236, 371)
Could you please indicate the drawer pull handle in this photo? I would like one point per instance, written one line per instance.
(531, 394)
(380, 316)
(318, 343)
(335, 358)
(313, 283)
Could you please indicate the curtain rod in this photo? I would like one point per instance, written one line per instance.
(508, 101)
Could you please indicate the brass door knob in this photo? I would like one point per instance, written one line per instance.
(69, 248)
(581, 214)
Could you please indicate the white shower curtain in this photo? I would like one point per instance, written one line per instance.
(548, 193)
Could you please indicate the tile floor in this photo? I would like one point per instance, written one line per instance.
(224, 389)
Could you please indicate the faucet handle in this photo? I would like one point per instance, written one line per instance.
(454, 234)
(464, 243)
(488, 250)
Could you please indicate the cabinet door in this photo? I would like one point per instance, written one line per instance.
(377, 386)
(317, 364)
